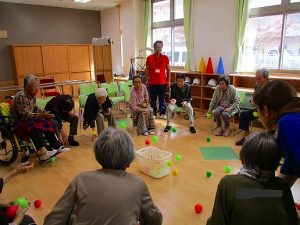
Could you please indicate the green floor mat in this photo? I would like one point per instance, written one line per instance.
(218, 153)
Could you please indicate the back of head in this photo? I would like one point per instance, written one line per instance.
(101, 92)
(114, 149)
(278, 96)
(261, 152)
(68, 104)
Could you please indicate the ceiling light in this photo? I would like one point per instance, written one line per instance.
(82, 1)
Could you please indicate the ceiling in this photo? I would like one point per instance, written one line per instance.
(91, 5)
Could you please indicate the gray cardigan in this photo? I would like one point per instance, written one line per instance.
(233, 98)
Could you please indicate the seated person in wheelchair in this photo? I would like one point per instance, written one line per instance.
(180, 97)
(98, 106)
(261, 78)
(224, 103)
(20, 217)
(142, 113)
(32, 122)
(62, 107)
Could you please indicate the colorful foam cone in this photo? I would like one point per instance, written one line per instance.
(220, 69)
(202, 65)
(209, 67)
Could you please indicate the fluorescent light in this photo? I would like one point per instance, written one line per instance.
(82, 1)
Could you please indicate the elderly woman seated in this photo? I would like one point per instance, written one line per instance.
(97, 107)
(142, 113)
(109, 195)
(224, 103)
(33, 122)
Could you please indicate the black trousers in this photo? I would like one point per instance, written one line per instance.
(246, 117)
(72, 119)
(38, 139)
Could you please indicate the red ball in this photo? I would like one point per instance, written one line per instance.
(198, 208)
(11, 211)
(297, 206)
(37, 203)
(147, 142)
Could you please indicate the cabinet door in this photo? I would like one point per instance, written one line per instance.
(28, 60)
(55, 59)
(107, 58)
(79, 58)
(98, 59)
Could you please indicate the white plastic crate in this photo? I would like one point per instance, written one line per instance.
(153, 161)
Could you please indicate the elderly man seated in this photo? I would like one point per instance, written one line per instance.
(33, 122)
(97, 107)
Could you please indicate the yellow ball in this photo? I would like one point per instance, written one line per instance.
(175, 173)
(169, 163)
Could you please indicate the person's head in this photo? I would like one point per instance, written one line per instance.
(260, 151)
(67, 105)
(114, 149)
(158, 45)
(275, 99)
(31, 84)
(101, 95)
(261, 76)
(180, 79)
(137, 82)
(223, 81)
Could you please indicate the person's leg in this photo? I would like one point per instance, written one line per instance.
(52, 139)
(162, 99)
(153, 98)
(217, 112)
(141, 124)
(170, 110)
(111, 120)
(189, 110)
(27, 220)
(246, 117)
(150, 122)
(226, 118)
(100, 122)
(73, 130)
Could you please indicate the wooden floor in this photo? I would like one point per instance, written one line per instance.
(174, 195)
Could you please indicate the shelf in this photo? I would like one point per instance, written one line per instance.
(196, 97)
(209, 87)
(206, 99)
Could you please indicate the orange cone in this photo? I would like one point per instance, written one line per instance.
(202, 65)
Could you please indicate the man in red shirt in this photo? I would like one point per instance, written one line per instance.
(156, 67)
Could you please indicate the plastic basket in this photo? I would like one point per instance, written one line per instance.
(153, 161)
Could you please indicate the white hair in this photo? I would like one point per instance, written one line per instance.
(29, 79)
(101, 92)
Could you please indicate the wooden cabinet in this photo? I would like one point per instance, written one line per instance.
(103, 64)
(55, 59)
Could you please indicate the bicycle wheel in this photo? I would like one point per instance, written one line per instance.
(8, 146)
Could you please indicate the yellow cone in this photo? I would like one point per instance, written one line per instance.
(202, 65)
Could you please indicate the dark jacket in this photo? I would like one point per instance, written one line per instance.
(92, 107)
(181, 94)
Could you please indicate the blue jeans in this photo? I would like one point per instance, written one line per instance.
(160, 91)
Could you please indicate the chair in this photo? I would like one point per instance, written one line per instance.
(48, 90)
(125, 90)
(104, 85)
(43, 102)
(84, 91)
(113, 93)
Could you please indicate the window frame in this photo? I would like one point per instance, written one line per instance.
(172, 23)
(284, 9)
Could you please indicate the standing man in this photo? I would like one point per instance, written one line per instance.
(62, 107)
(261, 78)
(156, 67)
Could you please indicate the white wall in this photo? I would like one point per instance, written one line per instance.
(214, 29)
(110, 26)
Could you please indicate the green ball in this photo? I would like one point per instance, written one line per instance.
(208, 173)
(123, 125)
(22, 202)
(173, 129)
(178, 157)
(255, 114)
(169, 163)
(154, 138)
(208, 139)
(208, 115)
(227, 169)
(53, 159)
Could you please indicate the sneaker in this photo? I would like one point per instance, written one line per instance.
(218, 131)
(240, 142)
(163, 117)
(72, 142)
(48, 155)
(167, 128)
(63, 149)
(151, 132)
(227, 132)
(146, 133)
(193, 129)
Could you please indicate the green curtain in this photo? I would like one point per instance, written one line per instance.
(147, 23)
(188, 32)
(242, 15)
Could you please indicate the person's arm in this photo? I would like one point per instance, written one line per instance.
(61, 213)
(150, 214)
(168, 68)
(21, 168)
(146, 93)
(132, 101)
(147, 71)
(236, 101)
(213, 102)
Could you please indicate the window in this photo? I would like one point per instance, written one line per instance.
(167, 26)
(272, 36)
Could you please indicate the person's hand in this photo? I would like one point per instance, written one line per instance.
(20, 214)
(145, 112)
(94, 137)
(173, 101)
(107, 113)
(65, 140)
(46, 115)
(23, 167)
(184, 103)
(227, 109)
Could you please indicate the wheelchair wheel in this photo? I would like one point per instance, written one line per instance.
(8, 147)
(186, 116)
